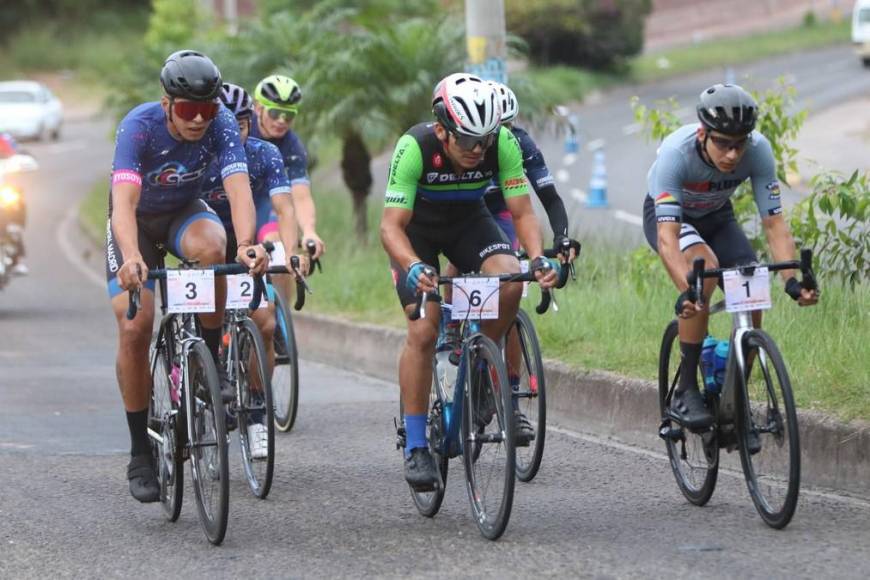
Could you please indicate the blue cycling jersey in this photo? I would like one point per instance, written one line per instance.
(266, 170)
(681, 182)
(168, 170)
(293, 152)
(534, 166)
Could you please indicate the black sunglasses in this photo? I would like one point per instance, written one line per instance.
(724, 144)
(469, 142)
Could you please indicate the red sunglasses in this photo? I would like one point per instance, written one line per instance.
(188, 110)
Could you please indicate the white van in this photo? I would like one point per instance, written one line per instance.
(861, 30)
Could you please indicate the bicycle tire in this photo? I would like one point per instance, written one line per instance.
(208, 442)
(285, 374)
(253, 369)
(428, 503)
(781, 428)
(166, 418)
(533, 389)
(487, 396)
(697, 470)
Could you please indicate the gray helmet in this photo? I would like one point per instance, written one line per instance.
(237, 100)
(728, 109)
(188, 74)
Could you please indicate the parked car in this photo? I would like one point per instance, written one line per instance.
(861, 30)
(28, 110)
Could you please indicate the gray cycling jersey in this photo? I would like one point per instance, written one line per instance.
(681, 182)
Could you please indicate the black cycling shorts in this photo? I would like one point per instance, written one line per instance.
(162, 229)
(465, 233)
(718, 229)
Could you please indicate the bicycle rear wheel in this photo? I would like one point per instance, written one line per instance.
(488, 437)
(772, 472)
(166, 428)
(208, 443)
(429, 502)
(694, 457)
(255, 392)
(285, 374)
(532, 397)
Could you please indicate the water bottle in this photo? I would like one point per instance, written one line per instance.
(446, 313)
(707, 363)
(720, 361)
(446, 372)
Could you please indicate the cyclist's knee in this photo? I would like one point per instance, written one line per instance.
(135, 334)
(422, 335)
(207, 244)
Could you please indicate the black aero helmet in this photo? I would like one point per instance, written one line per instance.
(728, 109)
(188, 74)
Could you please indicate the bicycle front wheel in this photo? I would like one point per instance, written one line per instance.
(488, 448)
(769, 440)
(531, 396)
(166, 429)
(208, 443)
(256, 414)
(694, 457)
(285, 374)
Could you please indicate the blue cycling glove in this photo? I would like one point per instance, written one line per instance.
(542, 263)
(416, 270)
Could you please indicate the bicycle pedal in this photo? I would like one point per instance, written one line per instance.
(401, 436)
(670, 432)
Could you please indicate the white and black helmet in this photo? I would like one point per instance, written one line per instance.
(728, 109)
(465, 104)
(237, 100)
(510, 107)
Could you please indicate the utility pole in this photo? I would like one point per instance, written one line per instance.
(486, 39)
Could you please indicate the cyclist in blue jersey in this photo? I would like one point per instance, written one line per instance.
(271, 190)
(276, 105)
(162, 151)
(688, 214)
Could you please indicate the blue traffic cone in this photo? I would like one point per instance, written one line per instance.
(571, 144)
(597, 196)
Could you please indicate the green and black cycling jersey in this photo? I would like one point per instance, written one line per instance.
(421, 171)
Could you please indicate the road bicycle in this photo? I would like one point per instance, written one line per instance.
(754, 412)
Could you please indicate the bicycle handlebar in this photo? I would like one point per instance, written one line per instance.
(419, 306)
(311, 247)
(696, 277)
(564, 250)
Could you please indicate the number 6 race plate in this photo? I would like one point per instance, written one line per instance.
(240, 290)
(475, 298)
(190, 290)
(744, 293)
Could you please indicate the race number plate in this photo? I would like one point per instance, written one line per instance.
(743, 293)
(524, 268)
(278, 256)
(240, 290)
(475, 298)
(190, 290)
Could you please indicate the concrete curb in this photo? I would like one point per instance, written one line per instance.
(834, 455)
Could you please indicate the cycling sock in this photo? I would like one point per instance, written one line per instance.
(212, 338)
(689, 367)
(415, 433)
(138, 424)
(514, 381)
(258, 415)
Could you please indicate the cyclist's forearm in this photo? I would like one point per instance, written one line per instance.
(306, 213)
(671, 256)
(397, 244)
(555, 208)
(287, 228)
(782, 246)
(529, 233)
(125, 230)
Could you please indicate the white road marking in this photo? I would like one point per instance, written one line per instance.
(65, 147)
(632, 129)
(569, 159)
(595, 144)
(606, 442)
(628, 217)
(579, 195)
(563, 175)
(72, 254)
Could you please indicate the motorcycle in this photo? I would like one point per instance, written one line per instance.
(12, 212)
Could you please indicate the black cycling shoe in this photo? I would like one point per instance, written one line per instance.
(420, 472)
(484, 405)
(753, 442)
(524, 433)
(231, 420)
(689, 410)
(143, 482)
(228, 390)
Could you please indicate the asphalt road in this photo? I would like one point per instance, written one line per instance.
(339, 506)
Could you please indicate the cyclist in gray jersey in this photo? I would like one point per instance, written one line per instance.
(688, 214)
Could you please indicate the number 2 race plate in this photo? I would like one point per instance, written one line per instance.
(190, 290)
(744, 293)
(240, 290)
(475, 298)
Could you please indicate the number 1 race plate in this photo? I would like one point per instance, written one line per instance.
(240, 290)
(744, 293)
(475, 298)
(190, 290)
